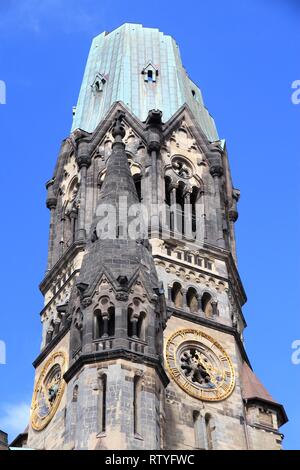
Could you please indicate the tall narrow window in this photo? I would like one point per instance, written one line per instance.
(137, 392)
(73, 414)
(194, 197)
(102, 379)
(180, 207)
(138, 185)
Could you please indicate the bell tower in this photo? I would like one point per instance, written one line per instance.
(142, 325)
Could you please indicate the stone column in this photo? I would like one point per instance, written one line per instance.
(154, 126)
(73, 217)
(51, 205)
(184, 302)
(233, 216)
(173, 212)
(49, 334)
(199, 298)
(216, 170)
(215, 310)
(170, 293)
(134, 322)
(201, 231)
(188, 214)
(83, 160)
(105, 318)
(62, 240)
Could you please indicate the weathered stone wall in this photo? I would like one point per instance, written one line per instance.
(228, 414)
(84, 419)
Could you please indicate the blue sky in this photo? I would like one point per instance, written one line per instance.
(244, 56)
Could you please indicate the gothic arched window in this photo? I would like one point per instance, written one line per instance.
(136, 320)
(192, 300)
(176, 295)
(104, 320)
(206, 304)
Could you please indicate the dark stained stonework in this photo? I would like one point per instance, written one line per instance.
(112, 303)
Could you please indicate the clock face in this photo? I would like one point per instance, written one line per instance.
(199, 365)
(48, 391)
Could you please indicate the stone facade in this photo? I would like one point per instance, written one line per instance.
(111, 303)
(3, 441)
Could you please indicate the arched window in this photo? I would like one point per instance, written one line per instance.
(206, 304)
(176, 295)
(104, 320)
(136, 320)
(192, 300)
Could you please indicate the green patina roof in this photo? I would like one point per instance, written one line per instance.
(120, 57)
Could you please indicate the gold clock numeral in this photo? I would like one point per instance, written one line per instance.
(223, 358)
(225, 387)
(187, 387)
(175, 372)
(208, 352)
(182, 334)
(169, 356)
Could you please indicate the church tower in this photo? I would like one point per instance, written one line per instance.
(142, 343)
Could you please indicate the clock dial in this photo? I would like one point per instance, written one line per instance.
(48, 391)
(199, 365)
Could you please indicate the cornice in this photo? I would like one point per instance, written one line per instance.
(46, 351)
(121, 353)
(214, 325)
(72, 251)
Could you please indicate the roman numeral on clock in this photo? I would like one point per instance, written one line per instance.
(187, 387)
(225, 387)
(175, 371)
